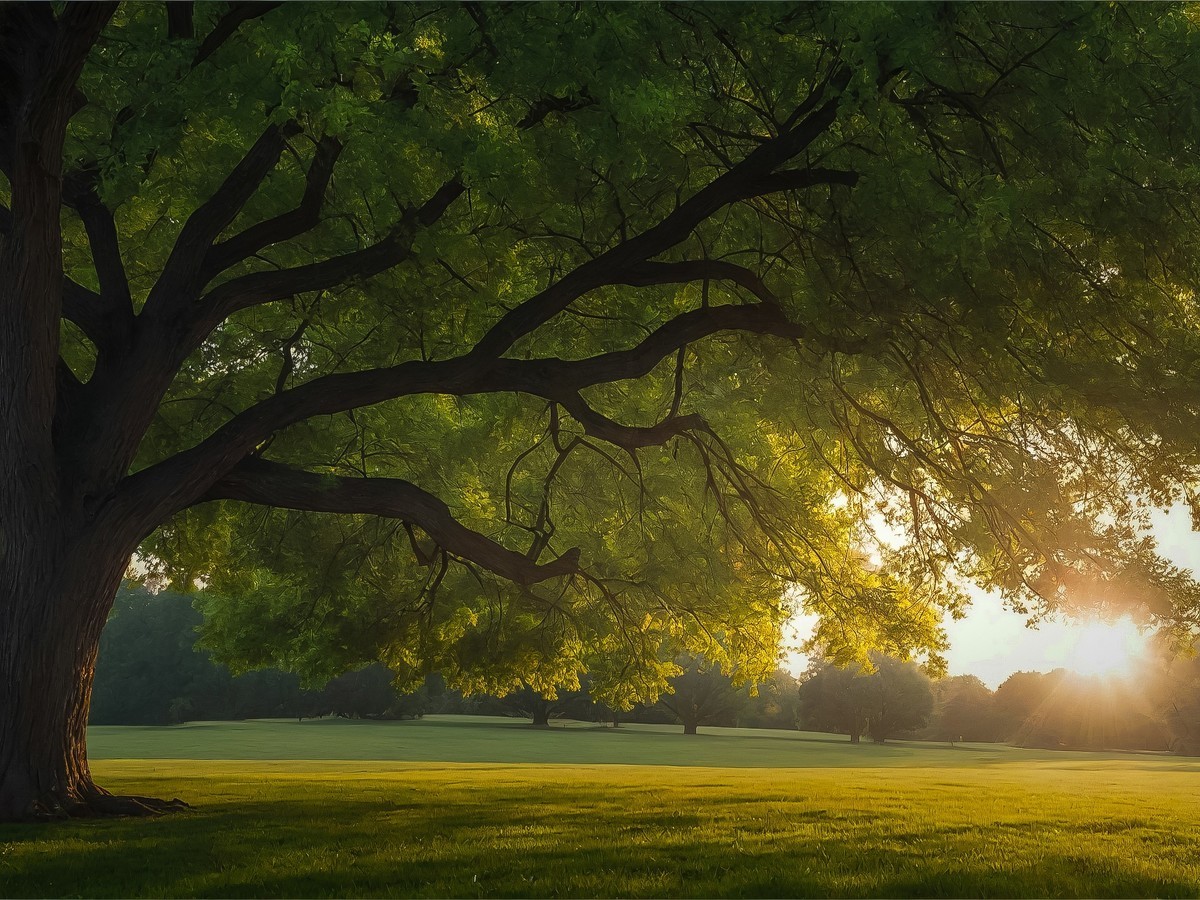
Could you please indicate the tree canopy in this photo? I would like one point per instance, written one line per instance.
(514, 341)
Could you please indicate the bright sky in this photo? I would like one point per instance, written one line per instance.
(993, 642)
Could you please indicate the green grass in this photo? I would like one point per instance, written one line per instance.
(486, 815)
(486, 739)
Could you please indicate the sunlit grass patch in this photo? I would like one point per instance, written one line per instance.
(475, 830)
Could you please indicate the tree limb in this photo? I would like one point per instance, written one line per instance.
(179, 19)
(175, 482)
(285, 226)
(227, 26)
(179, 280)
(746, 179)
(273, 484)
(110, 315)
(263, 287)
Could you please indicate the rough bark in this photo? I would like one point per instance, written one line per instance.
(62, 555)
(58, 593)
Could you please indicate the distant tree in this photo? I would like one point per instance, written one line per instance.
(1019, 703)
(148, 672)
(835, 699)
(1065, 710)
(775, 705)
(893, 699)
(703, 695)
(1173, 686)
(535, 705)
(963, 710)
(365, 693)
(902, 699)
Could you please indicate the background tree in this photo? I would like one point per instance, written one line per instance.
(963, 711)
(1173, 690)
(703, 695)
(901, 698)
(774, 705)
(835, 698)
(572, 703)
(1021, 698)
(150, 672)
(507, 342)
(893, 699)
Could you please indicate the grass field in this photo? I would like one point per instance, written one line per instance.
(453, 807)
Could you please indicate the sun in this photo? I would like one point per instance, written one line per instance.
(1106, 648)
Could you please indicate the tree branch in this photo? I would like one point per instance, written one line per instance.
(174, 483)
(273, 484)
(227, 26)
(283, 227)
(748, 178)
(109, 313)
(630, 437)
(179, 19)
(179, 280)
(264, 287)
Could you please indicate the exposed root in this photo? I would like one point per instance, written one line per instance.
(111, 805)
(96, 804)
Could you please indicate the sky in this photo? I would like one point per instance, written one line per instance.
(992, 642)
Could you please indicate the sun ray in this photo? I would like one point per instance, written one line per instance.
(1106, 648)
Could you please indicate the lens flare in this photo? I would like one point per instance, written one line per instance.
(1106, 648)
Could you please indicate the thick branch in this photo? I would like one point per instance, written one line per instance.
(180, 277)
(167, 486)
(85, 308)
(263, 287)
(798, 179)
(272, 484)
(543, 107)
(179, 19)
(748, 178)
(630, 437)
(283, 227)
(108, 317)
(228, 25)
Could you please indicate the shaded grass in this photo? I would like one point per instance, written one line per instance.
(387, 829)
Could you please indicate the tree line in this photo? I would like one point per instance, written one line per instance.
(151, 672)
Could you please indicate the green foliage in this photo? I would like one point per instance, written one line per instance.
(891, 698)
(150, 673)
(963, 710)
(982, 316)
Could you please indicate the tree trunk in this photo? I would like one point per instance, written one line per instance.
(855, 737)
(689, 727)
(53, 607)
(541, 715)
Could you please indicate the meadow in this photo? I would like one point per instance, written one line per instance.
(492, 808)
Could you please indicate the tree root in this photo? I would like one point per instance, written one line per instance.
(99, 804)
(112, 805)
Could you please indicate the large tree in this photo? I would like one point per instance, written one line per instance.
(507, 341)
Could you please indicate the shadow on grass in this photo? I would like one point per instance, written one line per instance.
(528, 839)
